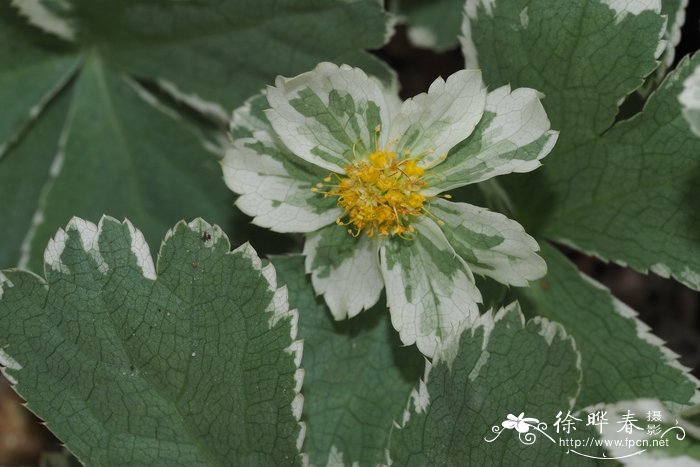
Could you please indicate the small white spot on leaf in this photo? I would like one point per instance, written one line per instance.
(524, 18)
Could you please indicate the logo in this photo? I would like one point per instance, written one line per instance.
(621, 433)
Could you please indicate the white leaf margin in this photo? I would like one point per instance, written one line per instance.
(43, 18)
(689, 99)
(621, 8)
(644, 333)
(89, 238)
(419, 399)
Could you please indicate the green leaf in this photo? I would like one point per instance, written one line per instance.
(584, 55)
(34, 69)
(192, 363)
(626, 193)
(23, 174)
(147, 163)
(143, 163)
(432, 24)
(621, 359)
(631, 195)
(674, 11)
(357, 375)
(504, 366)
(216, 54)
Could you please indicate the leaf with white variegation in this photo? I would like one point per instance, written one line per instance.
(504, 366)
(631, 195)
(625, 193)
(213, 55)
(190, 362)
(145, 163)
(357, 374)
(675, 13)
(135, 159)
(35, 68)
(584, 55)
(621, 359)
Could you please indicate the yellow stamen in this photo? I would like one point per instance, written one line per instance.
(380, 195)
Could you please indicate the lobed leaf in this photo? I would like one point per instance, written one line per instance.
(504, 366)
(190, 362)
(148, 165)
(624, 193)
(620, 358)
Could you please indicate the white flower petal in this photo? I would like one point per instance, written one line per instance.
(430, 290)
(325, 114)
(490, 243)
(513, 135)
(437, 120)
(344, 269)
(275, 186)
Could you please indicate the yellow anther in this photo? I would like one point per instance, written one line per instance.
(380, 195)
(412, 169)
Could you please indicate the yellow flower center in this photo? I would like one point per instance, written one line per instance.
(380, 195)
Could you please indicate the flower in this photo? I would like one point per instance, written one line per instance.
(335, 155)
(520, 423)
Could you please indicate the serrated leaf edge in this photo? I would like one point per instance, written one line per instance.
(419, 399)
(645, 334)
(89, 236)
(278, 306)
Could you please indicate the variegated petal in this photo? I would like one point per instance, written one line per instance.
(512, 136)
(344, 269)
(430, 290)
(326, 115)
(430, 124)
(490, 243)
(275, 186)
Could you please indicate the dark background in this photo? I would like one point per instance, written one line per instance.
(670, 309)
